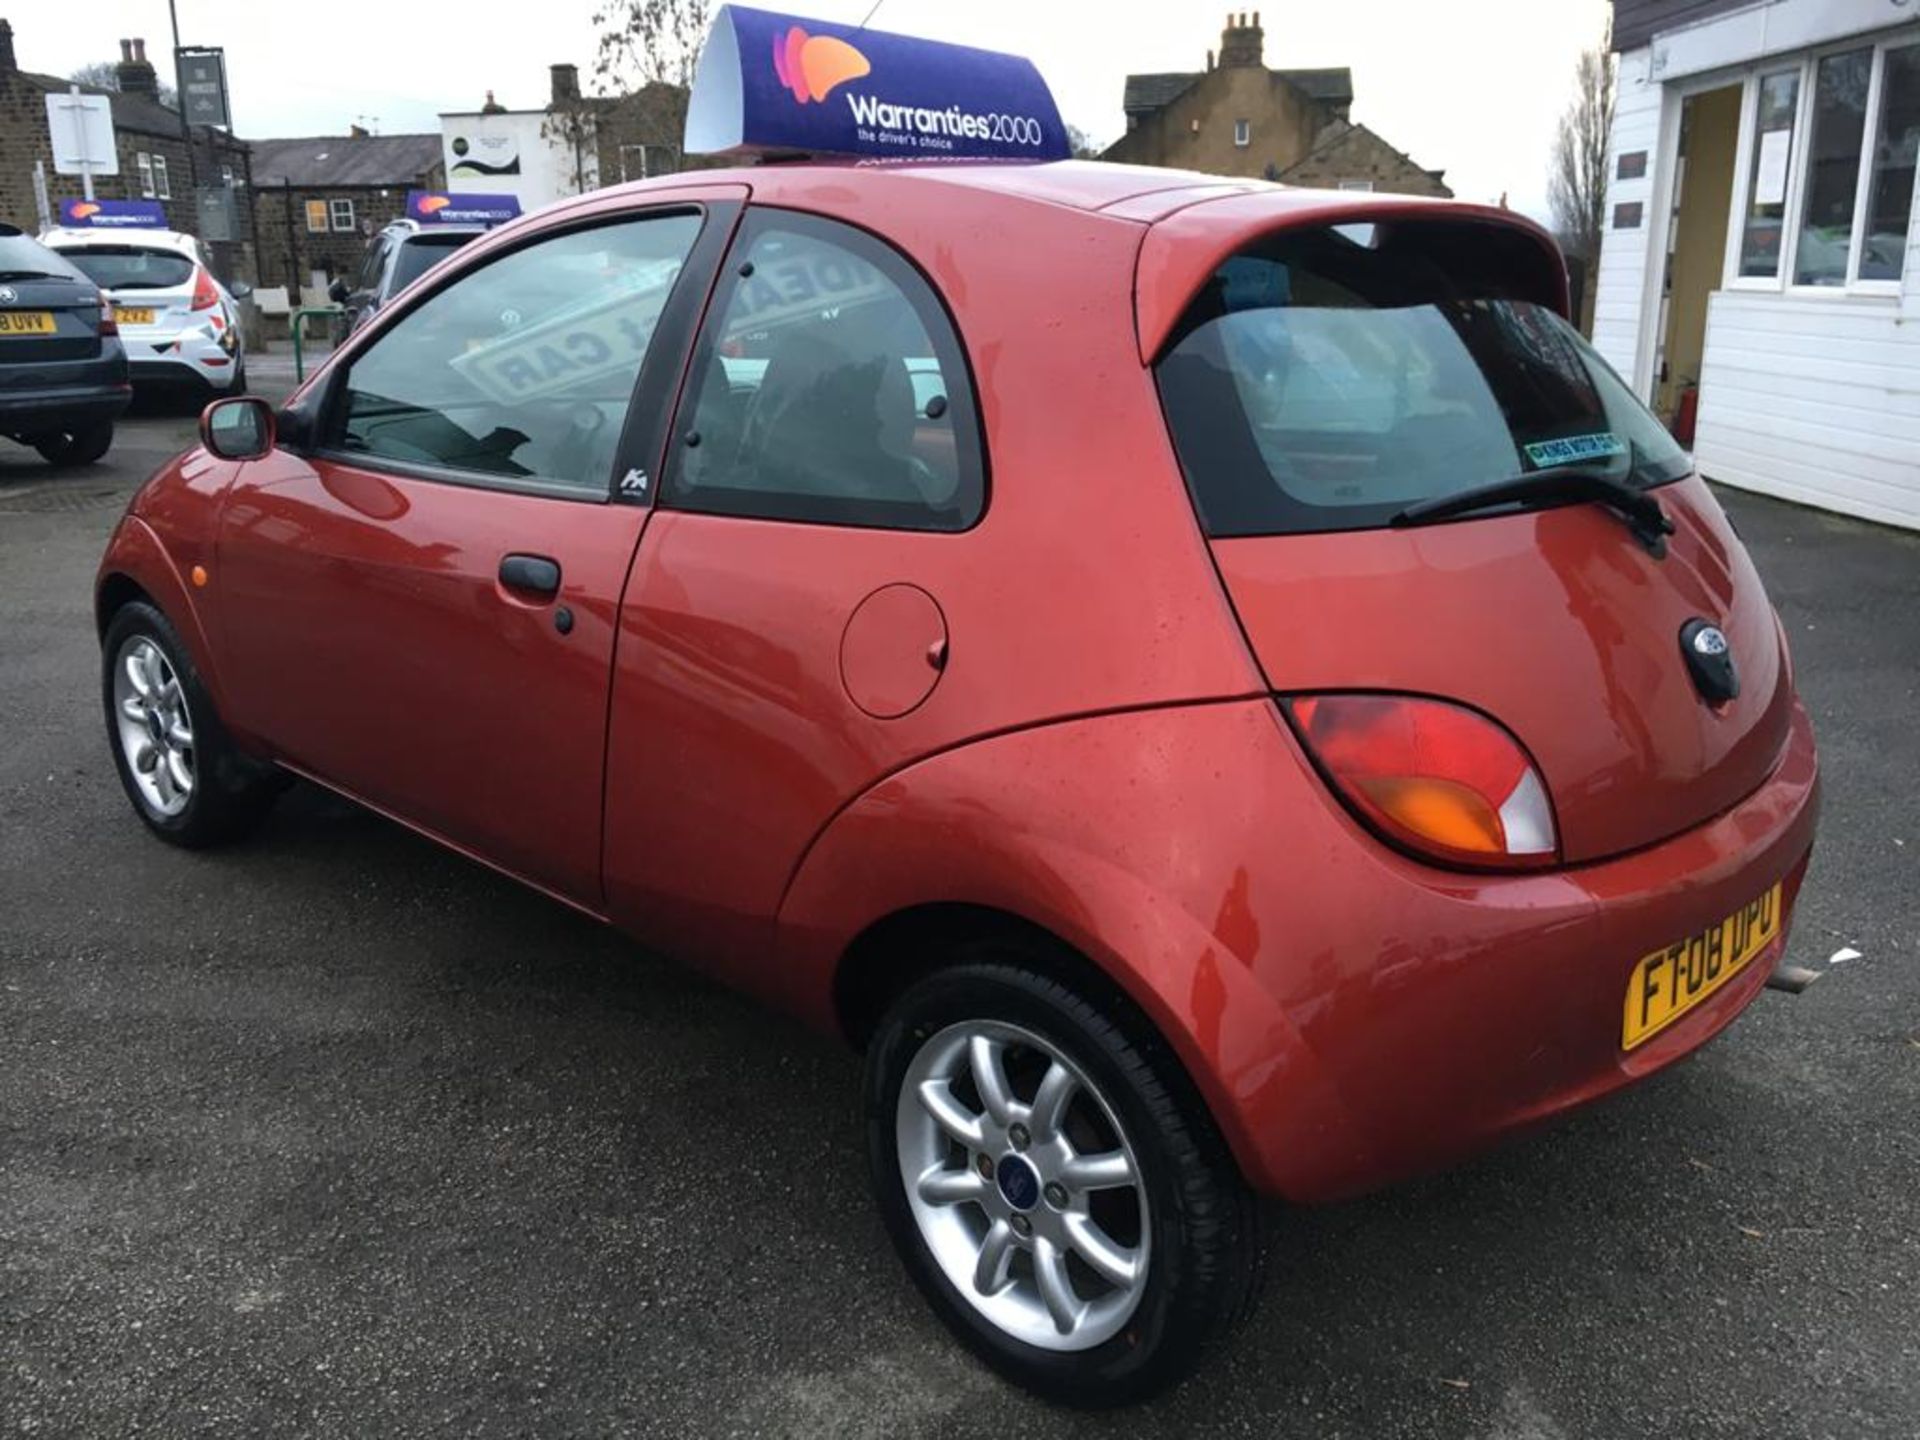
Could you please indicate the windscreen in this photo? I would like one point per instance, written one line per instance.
(420, 254)
(1326, 379)
(131, 267)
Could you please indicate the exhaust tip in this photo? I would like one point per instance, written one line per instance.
(1792, 978)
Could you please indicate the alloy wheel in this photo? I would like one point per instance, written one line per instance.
(1023, 1185)
(154, 725)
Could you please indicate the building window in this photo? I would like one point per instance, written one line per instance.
(1832, 210)
(1835, 140)
(143, 162)
(161, 188)
(316, 217)
(1356, 185)
(342, 214)
(1891, 164)
(1243, 133)
(1760, 239)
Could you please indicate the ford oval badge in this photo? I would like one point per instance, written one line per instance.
(1710, 661)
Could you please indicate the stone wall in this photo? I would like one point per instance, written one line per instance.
(1196, 131)
(1347, 152)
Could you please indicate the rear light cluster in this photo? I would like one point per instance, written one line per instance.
(205, 296)
(1434, 778)
(108, 325)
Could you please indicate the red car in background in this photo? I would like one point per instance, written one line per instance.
(1215, 687)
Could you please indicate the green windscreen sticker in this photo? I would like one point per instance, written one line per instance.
(1572, 449)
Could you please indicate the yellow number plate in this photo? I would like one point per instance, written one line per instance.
(132, 316)
(26, 322)
(1670, 982)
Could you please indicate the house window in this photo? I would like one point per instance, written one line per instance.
(161, 189)
(1356, 185)
(342, 214)
(1243, 133)
(316, 217)
(1827, 192)
(143, 162)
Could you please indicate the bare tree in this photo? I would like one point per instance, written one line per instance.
(1082, 145)
(1577, 187)
(642, 41)
(105, 75)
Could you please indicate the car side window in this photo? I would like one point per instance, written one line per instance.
(830, 388)
(520, 373)
(370, 263)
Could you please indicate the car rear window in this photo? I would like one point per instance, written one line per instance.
(21, 256)
(131, 267)
(1326, 379)
(420, 254)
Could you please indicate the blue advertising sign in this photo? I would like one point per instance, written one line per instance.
(434, 208)
(113, 214)
(777, 84)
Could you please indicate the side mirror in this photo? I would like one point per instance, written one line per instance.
(238, 429)
(338, 292)
(240, 289)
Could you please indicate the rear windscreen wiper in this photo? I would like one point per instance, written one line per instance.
(29, 275)
(1640, 510)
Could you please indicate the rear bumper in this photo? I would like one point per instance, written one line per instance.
(1443, 1012)
(64, 407)
(183, 372)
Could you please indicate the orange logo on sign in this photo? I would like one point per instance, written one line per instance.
(811, 65)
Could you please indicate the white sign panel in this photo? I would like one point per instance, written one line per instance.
(1770, 177)
(81, 127)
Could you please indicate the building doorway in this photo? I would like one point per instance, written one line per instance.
(1696, 244)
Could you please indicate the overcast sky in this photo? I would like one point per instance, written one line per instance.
(1473, 87)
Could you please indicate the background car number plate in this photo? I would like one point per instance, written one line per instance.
(1670, 982)
(26, 322)
(123, 315)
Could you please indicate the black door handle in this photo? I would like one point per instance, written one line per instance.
(531, 574)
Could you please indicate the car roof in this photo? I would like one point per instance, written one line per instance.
(1194, 220)
(156, 239)
(411, 227)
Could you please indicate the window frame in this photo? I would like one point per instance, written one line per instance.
(162, 184)
(313, 229)
(936, 318)
(333, 215)
(659, 376)
(1793, 218)
(143, 165)
(1242, 134)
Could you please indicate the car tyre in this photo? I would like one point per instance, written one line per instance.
(1189, 1223)
(181, 770)
(83, 446)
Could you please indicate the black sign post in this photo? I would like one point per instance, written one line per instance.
(202, 73)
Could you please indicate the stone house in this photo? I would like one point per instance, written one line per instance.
(154, 162)
(1238, 117)
(318, 198)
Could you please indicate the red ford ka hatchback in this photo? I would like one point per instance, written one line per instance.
(1215, 687)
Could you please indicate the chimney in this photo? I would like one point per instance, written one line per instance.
(7, 63)
(493, 106)
(1242, 42)
(566, 83)
(137, 77)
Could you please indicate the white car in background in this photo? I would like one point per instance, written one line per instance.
(179, 325)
